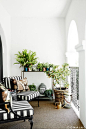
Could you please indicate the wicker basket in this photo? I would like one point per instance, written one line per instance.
(59, 96)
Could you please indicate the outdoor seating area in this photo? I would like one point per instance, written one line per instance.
(42, 64)
(18, 110)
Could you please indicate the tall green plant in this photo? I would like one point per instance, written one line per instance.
(26, 58)
(59, 75)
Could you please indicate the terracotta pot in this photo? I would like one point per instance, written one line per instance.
(44, 69)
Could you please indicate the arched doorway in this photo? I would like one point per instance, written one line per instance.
(73, 40)
(73, 61)
(1, 61)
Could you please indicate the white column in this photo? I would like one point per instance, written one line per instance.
(81, 48)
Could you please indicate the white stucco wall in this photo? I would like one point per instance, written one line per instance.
(5, 33)
(45, 36)
(77, 12)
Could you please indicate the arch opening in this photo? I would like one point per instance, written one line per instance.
(73, 40)
(73, 61)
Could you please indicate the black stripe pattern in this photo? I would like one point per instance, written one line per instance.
(22, 108)
(7, 82)
(28, 95)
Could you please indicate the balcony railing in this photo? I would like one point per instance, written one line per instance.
(74, 83)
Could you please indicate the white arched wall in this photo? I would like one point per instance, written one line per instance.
(81, 49)
(72, 41)
(5, 32)
(77, 11)
(72, 55)
(4, 47)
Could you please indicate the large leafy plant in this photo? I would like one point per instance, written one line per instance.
(26, 58)
(59, 75)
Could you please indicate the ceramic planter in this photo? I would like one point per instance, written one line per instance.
(25, 69)
(47, 69)
(29, 69)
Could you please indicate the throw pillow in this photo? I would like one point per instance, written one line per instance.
(22, 85)
(5, 97)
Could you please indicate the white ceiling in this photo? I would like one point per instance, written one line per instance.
(36, 8)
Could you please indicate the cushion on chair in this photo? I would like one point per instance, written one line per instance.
(22, 108)
(28, 95)
(5, 96)
(22, 85)
(8, 81)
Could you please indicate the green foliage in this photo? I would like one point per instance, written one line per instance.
(44, 65)
(26, 58)
(51, 65)
(59, 74)
(32, 87)
(47, 65)
(40, 66)
(48, 93)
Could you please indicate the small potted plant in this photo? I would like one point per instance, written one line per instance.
(25, 68)
(48, 93)
(47, 66)
(32, 87)
(51, 66)
(30, 68)
(44, 67)
(39, 66)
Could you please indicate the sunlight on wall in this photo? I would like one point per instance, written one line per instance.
(72, 42)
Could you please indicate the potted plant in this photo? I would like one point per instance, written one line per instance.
(59, 76)
(26, 59)
(30, 68)
(39, 66)
(48, 93)
(44, 66)
(47, 66)
(32, 87)
(51, 66)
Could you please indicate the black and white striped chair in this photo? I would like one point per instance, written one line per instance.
(20, 110)
(27, 95)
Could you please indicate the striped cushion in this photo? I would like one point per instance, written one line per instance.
(22, 108)
(28, 95)
(7, 82)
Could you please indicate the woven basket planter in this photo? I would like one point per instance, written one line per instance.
(59, 96)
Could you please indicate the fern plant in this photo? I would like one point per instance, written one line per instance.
(26, 58)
